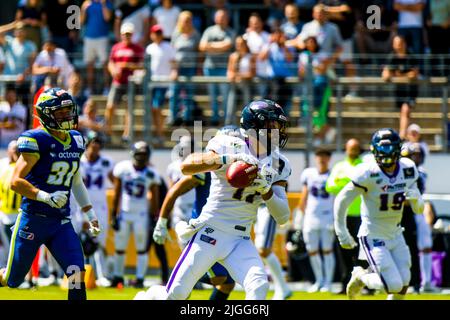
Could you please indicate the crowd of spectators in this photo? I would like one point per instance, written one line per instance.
(268, 39)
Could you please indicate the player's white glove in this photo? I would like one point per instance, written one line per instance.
(185, 230)
(412, 194)
(94, 227)
(230, 158)
(346, 240)
(56, 199)
(160, 232)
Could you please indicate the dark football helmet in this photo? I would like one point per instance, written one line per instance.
(259, 116)
(140, 152)
(50, 106)
(386, 146)
(413, 151)
(93, 137)
(88, 243)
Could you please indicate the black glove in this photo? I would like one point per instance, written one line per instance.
(115, 223)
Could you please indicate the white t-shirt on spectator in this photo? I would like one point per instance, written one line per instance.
(258, 42)
(167, 19)
(162, 56)
(410, 18)
(137, 18)
(58, 59)
(17, 114)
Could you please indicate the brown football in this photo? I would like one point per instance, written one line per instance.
(241, 174)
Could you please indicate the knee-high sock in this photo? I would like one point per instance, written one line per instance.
(141, 268)
(372, 281)
(425, 267)
(119, 265)
(316, 265)
(99, 259)
(276, 271)
(329, 263)
(395, 296)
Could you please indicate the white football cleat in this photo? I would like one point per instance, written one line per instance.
(325, 288)
(314, 288)
(355, 285)
(280, 295)
(155, 292)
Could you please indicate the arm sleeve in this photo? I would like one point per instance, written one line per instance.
(79, 191)
(278, 205)
(341, 203)
(417, 205)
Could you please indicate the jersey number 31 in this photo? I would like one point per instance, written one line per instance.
(62, 173)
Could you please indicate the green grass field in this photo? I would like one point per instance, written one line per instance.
(56, 293)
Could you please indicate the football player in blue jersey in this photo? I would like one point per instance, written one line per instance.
(45, 174)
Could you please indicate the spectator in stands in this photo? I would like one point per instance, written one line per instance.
(51, 63)
(212, 6)
(124, 59)
(410, 23)
(320, 62)
(217, 43)
(185, 40)
(276, 13)
(438, 24)
(241, 70)
(163, 65)
(137, 13)
(32, 15)
(413, 135)
(258, 42)
(326, 33)
(75, 89)
(374, 40)
(401, 64)
(89, 121)
(166, 16)
(96, 16)
(340, 13)
(20, 54)
(306, 9)
(56, 16)
(13, 116)
(282, 61)
(292, 25)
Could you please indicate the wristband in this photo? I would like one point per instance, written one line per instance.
(42, 196)
(163, 221)
(91, 214)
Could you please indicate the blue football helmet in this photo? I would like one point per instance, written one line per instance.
(49, 106)
(259, 114)
(140, 152)
(386, 146)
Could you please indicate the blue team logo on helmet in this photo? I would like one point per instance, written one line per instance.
(57, 110)
(386, 147)
(259, 114)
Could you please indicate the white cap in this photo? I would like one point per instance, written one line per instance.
(127, 27)
(413, 127)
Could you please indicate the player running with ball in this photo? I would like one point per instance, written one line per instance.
(384, 185)
(222, 232)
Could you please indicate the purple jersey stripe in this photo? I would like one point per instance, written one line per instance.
(180, 262)
(366, 247)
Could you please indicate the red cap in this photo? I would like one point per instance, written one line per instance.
(156, 28)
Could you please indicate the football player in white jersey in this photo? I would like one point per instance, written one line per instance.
(416, 153)
(183, 205)
(96, 170)
(222, 232)
(384, 185)
(132, 208)
(318, 229)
